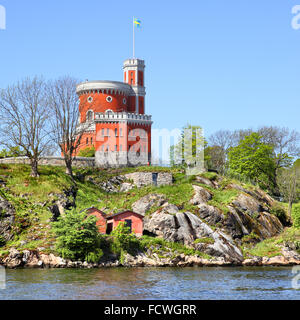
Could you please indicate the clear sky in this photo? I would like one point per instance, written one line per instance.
(219, 64)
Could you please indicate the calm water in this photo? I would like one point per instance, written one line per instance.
(144, 283)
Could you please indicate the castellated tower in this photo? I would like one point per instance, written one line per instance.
(112, 115)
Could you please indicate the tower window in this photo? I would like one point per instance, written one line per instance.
(102, 132)
(87, 141)
(116, 132)
(109, 99)
(90, 116)
(116, 148)
(121, 132)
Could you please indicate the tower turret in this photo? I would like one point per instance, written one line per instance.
(134, 75)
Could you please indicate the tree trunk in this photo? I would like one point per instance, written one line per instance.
(34, 168)
(290, 209)
(69, 170)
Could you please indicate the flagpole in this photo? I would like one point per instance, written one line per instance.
(133, 38)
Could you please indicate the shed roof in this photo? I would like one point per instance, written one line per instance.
(94, 209)
(119, 213)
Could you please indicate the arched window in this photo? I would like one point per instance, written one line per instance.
(87, 141)
(90, 116)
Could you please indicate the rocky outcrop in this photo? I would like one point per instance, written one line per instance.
(63, 201)
(147, 202)
(7, 218)
(186, 228)
(201, 195)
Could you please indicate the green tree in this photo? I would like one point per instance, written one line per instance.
(78, 237)
(288, 182)
(252, 159)
(87, 152)
(12, 152)
(189, 150)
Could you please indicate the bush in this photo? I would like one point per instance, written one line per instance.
(279, 211)
(124, 241)
(296, 215)
(78, 237)
(87, 152)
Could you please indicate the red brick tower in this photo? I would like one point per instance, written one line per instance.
(113, 117)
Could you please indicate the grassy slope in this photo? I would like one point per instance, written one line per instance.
(31, 198)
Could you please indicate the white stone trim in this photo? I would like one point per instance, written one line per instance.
(100, 86)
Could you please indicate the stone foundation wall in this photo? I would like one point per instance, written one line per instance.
(141, 179)
(51, 161)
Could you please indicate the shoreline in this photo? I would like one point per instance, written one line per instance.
(33, 260)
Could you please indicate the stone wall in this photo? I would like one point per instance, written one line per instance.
(52, 161)
(141, 179)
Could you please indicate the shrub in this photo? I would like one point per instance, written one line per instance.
(279, 211)
(78, 237)
(87, 152)
(124, 241)
(296, 215)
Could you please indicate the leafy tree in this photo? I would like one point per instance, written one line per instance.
(12, 152)
(87, 152)
(289, 184)
(189, 151)
(78, 237)
(252, 159)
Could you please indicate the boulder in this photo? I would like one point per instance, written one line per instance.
(7, 218)
(147, 202)
(248, 204)
(211, 214)
(125, 187)
(201, 195)
(206, 181)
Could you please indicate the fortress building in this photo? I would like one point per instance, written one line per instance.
(113, 118)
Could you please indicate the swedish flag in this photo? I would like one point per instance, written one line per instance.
(137, 23)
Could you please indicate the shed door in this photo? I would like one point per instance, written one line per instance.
(154, 178)
(109, 228)
(129, 224)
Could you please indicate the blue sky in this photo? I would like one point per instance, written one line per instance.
(219, 64)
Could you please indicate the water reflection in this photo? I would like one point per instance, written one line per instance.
(150, 283)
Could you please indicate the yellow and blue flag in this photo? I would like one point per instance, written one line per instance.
(137, 23)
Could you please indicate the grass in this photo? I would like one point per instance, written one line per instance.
(175, 247)
(272, 247)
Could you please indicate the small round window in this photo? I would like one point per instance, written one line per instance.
(90, 99)
(124, 101)
(109, 99)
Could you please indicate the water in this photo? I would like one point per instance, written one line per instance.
(151, 283)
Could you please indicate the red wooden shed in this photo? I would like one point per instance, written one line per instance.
(132, 219)
(101, 218)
